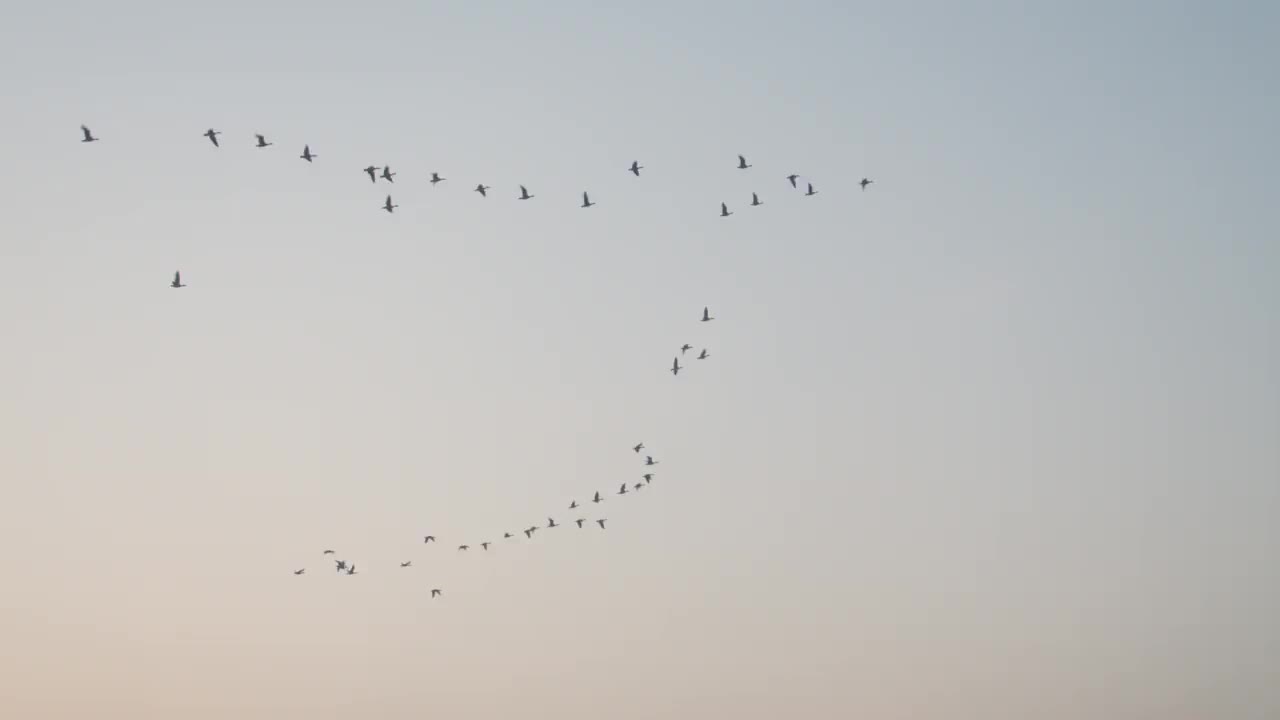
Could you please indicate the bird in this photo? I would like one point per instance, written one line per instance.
(387, 174)
(580, 521)
(742, 163)
(88, 136)
(648, 460)
(388, 206)
(528, 533)
(406, 563)
(372, 171)
(639, 447)
(524, 194)
(573, 504)
(635, 168)
(299, 572)
(342, 565)
(306, 153)
(506, 536)
(464, 547)
(600, 522)
(755, 200)
(648, 478)
(483, 190)
(638, 486)
(597, 498)
(685, 348)
(327, 552)
(485, 545)
(586, 201)
(793, 177)
(429, 538)
(435, 592)
(865, 182)
(724, 210)
(551, 522)
(177, 280)
(811, 191)
(435, 178)
(262, 141)
(213, 136)
(675, 367)
(622, 490)
(703, 355)
(706, 315)
(351, 570)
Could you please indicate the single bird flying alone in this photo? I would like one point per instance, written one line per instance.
(675, 367)
(742, 163)
(793, 177)
(635, 168)
(703, 355)
(706, 315)
(755, 200)
(435, 178)
(524, 194)
(387, 174)
(306, 153)
(388, 206)
(724, 210)
(586, 201)
(213, 136)
(483, 190)
(372, 172)
(88, 136)
(262, 141)
(177, 281)
(865, 182)
(811, 191)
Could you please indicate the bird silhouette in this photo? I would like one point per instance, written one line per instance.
(306, 153)
(580, 521)
(429, 539)
(648, 460)
(622, 490)
(793, 177)
(507, 536)
(865, 182)
(435, 178)
(177, 281)
(213, 136)
(485, 545)
(262, 141)
(464, 547)
(703, 355)
(551, 522)
(706, 315)
(724, 210)
(88, 136)
(573, 504)
(638, 486)
(483, 190)
(387, 174)
(685, 348)
(811, 191)
(351, 570)
(435, 592)
(648, 478)
(327, 552)
(372, 172)
(635, 168)
(597, 498)
(675, 367)
(406, 563)
(342, 565)
(524, 194)
(586, 201)
(755, 200)
(742, 163)
(528, 532)
(299, 572)
(639, 447)
(388, 206)
(600, 522)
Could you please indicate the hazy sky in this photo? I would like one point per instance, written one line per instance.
(997, 438)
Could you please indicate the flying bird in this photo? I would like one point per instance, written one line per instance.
(524, 194)
(435, 178)
(622, 490)
(177, 281)
(586, 201)
(351, 570)
(485, 545)
(573, 504)
(635, 168)
(306, 153)
(388, 206)
(675, 366)
(529, 533)
(580, 521)
(703, 355)
(811, 190)
(262, 141)
(387, 174)
(648, 478)
(755, 200)
(464, 547)
(601, 522)
(213, 136)
(327, 552)
(685, 348)
(648, 459)
(429, 538)
(865, 182)
(706, 315)
(406, 564)
(483, 190)
(551, 522)
(372, 171)
(435, 592)
(638, 486)
(639, 447)
(724, 210)
(793, 177)
(299, 572)
(342, 565)
(88, 136)
(506, 536)
(742, 163)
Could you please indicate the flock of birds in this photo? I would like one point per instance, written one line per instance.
(385, 173)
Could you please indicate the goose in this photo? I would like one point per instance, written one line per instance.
(177, 281)
(88, 136)
(706, 315)
(865, 182)
(387, 174)
(685, 348)
(507, 536)
(429, 539)
(341, 565)
(648, 460)
(597, 498)
(639, 447)
(299, 572)
(638, 486)
(675, 367)
(755, 200)
(528, 532)
(327, 552)
(586, 201)
(635, 168)
(435, 178)
(407, 563)
(435, 592)
(622, 490)
(524, 194)
(485, 545)
(811, 191)
(724, 210)
(262, 141)
(213, 136)
(483, 190)
(464, 548)
(742, 163)
(573, 504)
(388, 206)
(351, 570)
(551, 523)
(793, 177)
(703, 355)
(372, 171)
(600, 522)
(648, 478)
(306, 153)
(580, 521)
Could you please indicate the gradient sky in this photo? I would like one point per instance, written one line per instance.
(997, 438)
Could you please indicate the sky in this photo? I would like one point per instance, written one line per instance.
(997, 437)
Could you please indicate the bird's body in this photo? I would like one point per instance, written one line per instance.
(528, 533)
(811, 191)
(551, 522)
(793, 177)
(573, 504)
(387, 174)
(622, 490)
(213, 136)
(388, 206)
(88, 136)
(177, 281)
(675, 367)
(464, 547)
(306, 153)
(341, 565)
(327, 552)
(865, 182)
(580, 521)
(724, 210)
(262, 142)
(755, 200)
(685, 348)
(372, 172)
(742, 163)
(597, 498)
(635, 168)
(435, 592)
(524, 194)
(638, 486)
(507, 536)
(407, 563)
(485, 545)
(300, 572)
(483, 190)
(703, 355)
(429, 539)
(435, 178)
(586, 201)
(600, 522)
(351, 570)
(706, 315)
(648, 459)
(638, 447)
(648, 478)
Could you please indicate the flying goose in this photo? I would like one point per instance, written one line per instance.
(648, 478)
(88, 136)
(622, 490)
(639, 447)
(528, 532)
(865, 182)
(464, 547)
(306, 153)
(406, 563)
(793, 177)
(580, 521)
(755, 200)
(597, 498)
(342, 565)
(435, 178)
(601, 522)
(372, 171)
(724, 210)
(388, 206)
(429, 538)
(586, 201)
(351, 570)
(675, 366)
(507, 536)
(387, 174)
(485, 545)
(177, 281)
(742, 163)
(706, 315)
(435, 592)
(213, 136)
(524, 194)
(685, 348)
(573, 504)
(299, 572)
(262, 141)
(327, 552)
(811, 191)
(703, 355)
(638, 486)
(635, 168)
(551, 522)
(648, 460)
(483, 190)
